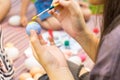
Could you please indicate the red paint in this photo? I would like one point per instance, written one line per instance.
(50, 33)
(82, 57)
(96, 30)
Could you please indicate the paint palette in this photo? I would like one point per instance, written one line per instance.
(63, 41)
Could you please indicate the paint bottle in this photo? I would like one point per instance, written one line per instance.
(67, 44)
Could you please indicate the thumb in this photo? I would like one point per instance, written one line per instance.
(69, 4)
(64, 3)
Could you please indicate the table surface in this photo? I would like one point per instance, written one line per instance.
(17, 35)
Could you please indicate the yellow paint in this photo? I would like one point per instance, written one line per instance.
(55, 5)
(33, 18)
(31, 22)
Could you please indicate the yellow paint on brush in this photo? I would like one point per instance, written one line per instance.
(34, 17)
(56, 4)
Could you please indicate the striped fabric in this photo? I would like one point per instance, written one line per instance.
(17, 36)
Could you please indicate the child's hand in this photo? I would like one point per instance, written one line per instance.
(47, 56)
(85, 10)
(24, 21)
(70, 15)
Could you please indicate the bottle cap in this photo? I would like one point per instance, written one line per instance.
(66, 43)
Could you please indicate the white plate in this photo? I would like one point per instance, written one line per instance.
(59, 38)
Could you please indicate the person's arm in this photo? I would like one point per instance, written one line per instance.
(4, 8)
(59, 73)
(87, 39)
(24, 6)
(71, 15)
(96, 2)
(89, 43)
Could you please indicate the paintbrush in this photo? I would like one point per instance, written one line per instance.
(46, 10)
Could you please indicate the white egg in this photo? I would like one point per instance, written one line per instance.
(28, 52)
(29, 79)
(14, 20)
(25, 76)
(75, 59)
(31, 62)
(12, 52)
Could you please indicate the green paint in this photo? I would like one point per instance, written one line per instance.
(96, 9)
(66, 43)
(33, 1)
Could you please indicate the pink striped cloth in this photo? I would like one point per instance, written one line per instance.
(17, 35)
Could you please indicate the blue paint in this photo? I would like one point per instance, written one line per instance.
(33, 26)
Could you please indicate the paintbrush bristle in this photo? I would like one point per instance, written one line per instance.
(34, 17)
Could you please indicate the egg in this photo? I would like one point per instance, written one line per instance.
(35, 70)
(25, 76)
(31, 62)
(9, 44)
(29, 79)
(33, 26)
(14, 20)
(37, 76)
(12, 52)
(75, 59)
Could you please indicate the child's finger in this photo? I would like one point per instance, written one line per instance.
(42, 41)
(54, 13)
(34, 53)
(64, 3)
(35, 43)
(51, 41)
(33, 36)
(34, 40)
(83, 4)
